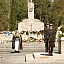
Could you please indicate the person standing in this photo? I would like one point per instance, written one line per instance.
(46, 36)
(16, 42)
(51, 39)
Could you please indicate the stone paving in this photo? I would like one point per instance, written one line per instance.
(32, 53)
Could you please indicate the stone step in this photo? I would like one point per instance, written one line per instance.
(43, 57)
(29, 58)
(37, 56)
(40, 55)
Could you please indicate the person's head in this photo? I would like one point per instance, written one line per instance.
(51, 25)
(16, 31)
(47, 25)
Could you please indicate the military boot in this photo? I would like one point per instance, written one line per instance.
(48, 52)
(51, 51)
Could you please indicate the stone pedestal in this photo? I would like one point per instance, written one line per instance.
(30, 25)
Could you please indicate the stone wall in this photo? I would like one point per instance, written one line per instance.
(6, 37)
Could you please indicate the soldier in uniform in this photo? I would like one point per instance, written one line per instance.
(16, 42)
(51, 39)
(46, 37)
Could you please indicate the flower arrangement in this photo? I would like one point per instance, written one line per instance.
(61, 32)
(41, 32)
(27, 33)
(60, 35)
(34, 32)
(22, 32)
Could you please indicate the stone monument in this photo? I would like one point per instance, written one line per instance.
(30, 24)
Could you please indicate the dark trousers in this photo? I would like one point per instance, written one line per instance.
(50, 48)
(46, 45)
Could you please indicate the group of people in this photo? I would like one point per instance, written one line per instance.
(49, 38)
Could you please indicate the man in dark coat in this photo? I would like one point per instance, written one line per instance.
(51, 39)
(46, 37)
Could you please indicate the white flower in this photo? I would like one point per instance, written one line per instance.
(60, 32)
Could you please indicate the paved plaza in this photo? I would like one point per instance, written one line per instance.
(32, 53)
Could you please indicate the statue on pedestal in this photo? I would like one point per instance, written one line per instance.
(30, 23)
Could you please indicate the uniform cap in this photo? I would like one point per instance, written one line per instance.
(47, 23)
(51, 24)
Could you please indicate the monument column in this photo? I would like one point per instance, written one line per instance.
(30, 9)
